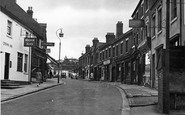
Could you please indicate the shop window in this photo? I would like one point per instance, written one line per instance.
(26, 63)
(19, 62)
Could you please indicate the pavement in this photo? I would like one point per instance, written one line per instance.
(9, 94)
(142, 100)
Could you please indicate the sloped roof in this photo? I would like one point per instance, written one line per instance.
(13, 10)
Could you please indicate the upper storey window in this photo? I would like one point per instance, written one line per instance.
(9, 28)
(173, 9)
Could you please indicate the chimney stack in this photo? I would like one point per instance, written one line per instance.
(109, 37)
(119, 29)
(95, 41)
(30, 12)
(87, 48)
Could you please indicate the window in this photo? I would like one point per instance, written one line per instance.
(142, 10)
(153, 25)
(137, 38)
(126, 45)
(159, 19)
(25, 62)
(173, 9)
(106, 55)
(116, 50)
(19, 62)
(109, 51)
(27, 34)
(103, 55)
(122, 48)
(146, 4)
(113, 51)
(9, 28)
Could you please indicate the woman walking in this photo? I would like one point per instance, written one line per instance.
(38, 76)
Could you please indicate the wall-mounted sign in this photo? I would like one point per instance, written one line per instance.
(7, 44)
(136, 23)
(29, 42)
(47, 44)
(106, 62)
(48, 51)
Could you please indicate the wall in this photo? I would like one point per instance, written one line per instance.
(13, 44)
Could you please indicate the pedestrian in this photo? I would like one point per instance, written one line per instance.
(38, 76)
(50, 74)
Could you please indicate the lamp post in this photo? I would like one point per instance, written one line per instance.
(59, 35)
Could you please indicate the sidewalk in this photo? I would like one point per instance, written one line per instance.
(8, 94)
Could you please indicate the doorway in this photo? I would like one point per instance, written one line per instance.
(7, 63)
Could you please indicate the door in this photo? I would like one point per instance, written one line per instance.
(7, 66)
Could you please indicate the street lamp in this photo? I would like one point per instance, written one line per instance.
(59, 35)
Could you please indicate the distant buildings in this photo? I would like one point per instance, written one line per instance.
(138, 56)
(18, 60)
(133, 57)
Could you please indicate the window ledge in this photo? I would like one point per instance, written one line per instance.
(9, 36)
(173, 20)
(153, 37)
(159, 32)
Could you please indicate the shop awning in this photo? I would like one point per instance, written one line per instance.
(52, 59)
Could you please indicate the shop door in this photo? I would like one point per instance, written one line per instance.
(7, 63)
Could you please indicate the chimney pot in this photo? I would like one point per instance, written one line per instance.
(30, 11)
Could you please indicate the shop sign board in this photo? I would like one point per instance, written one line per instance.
(47, 44)
(29, 42)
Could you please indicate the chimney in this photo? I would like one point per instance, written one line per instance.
(109, 37)
(119, 29)
(95, 41)
(43, 25)
(30, 12)
(87, 48)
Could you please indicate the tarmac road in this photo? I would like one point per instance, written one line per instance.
(76, 97)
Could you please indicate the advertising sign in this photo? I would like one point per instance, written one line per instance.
(47, 44)
(29, 42)
(48, 51)
(136, 23)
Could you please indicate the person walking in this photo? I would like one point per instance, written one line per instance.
(38, 76)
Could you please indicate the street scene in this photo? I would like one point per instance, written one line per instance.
(92, 57)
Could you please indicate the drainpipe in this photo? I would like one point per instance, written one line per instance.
(180, 40)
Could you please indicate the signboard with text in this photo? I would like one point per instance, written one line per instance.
(47, 44)
(48, 51)
(29, 42)
(136, 23)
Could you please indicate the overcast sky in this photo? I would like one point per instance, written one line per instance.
(81, 21)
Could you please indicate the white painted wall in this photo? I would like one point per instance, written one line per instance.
(13, 45)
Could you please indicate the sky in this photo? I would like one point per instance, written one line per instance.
(80, 20)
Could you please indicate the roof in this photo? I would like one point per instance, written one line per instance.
(10, 8)
(140, 1)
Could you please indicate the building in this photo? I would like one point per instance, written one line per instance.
(16, 58)
(142, 40)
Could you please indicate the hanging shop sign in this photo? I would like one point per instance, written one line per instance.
(48, 44)
(48, 51)
(29, 42)
(136, 23)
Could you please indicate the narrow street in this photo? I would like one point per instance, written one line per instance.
(76, 97)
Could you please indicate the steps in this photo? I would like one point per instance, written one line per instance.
(8, 84)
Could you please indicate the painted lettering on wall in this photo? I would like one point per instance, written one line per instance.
(7, 44)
